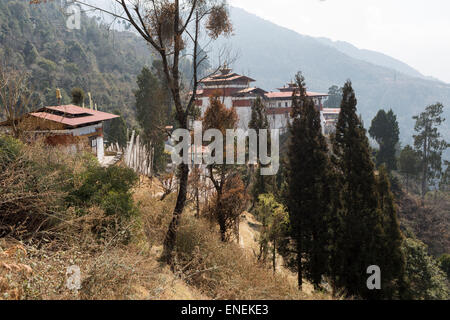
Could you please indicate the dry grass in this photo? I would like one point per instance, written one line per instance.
(111, 268)
(226, 271)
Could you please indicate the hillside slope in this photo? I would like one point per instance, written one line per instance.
(35, 38)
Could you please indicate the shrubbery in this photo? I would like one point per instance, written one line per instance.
(31, 188)
(40, 188)
(108, 188)
(426, 281)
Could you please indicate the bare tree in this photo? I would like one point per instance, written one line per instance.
(167, 184)
(173, 27)
(15, 96)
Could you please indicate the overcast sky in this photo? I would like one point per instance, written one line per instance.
(416, 32)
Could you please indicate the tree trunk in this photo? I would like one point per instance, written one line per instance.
(424, 168)
(407, 183)
(274, 256)
(299, 263)
(171, 235)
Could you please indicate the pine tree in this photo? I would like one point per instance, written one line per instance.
(258, 121)
(429, 143)
(151, 99)
(393, 267)
(444, 184)
(78, 96)
(359, 242)
(385, 131)
(116, 131)
(308, 202)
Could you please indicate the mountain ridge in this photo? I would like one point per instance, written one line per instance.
(272, 55)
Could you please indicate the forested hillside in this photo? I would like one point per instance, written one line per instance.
(100, 61)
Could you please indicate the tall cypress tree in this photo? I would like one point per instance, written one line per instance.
(308, 202)
(358, 244)
(385, 131)
(258, 121)
(394, 263)
(151, 103)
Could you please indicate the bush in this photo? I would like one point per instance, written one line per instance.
(109, 188)
(425, 280)
(32, 183)
(42, 187)
(444, 262)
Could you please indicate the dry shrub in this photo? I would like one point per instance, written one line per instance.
(32, 183)
(13, 273)
(155, 217)
(223, 270)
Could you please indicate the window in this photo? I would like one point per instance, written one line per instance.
(286, 104)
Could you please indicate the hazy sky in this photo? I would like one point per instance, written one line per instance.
(416, 32)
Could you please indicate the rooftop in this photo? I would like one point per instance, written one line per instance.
(288, 94)
(71, 115)
(225, 76)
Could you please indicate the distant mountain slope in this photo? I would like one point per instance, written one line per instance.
(374, 57)
(273, 54)
(35, 38)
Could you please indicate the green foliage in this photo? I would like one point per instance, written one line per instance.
(261, 184)
(385, 131)
(110, 188)
(30, 53)
(97, 59)
(10, 149)
(77, 96)
(429, 143)
(275, 225)
(368, 226)
(116, 131)
(308, 186)
(335, 97)
(444, 262)
(426, 281)
(444, 184)
(393, 265)
(152, 101)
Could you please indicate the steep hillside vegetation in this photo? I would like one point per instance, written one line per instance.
(35, 38)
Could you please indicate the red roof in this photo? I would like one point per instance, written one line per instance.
(226, 76)
(78, 116)
(288, 94)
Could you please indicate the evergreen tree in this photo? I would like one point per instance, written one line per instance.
(77, 96)
(429, 144)
(385, 131)
(444, 184)
(30, 53)
(334, 97)
(151, 102)
(258, 121)
(393, 265)
(116, 131)
(426, 280)
(308, 178)
(360, 242)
